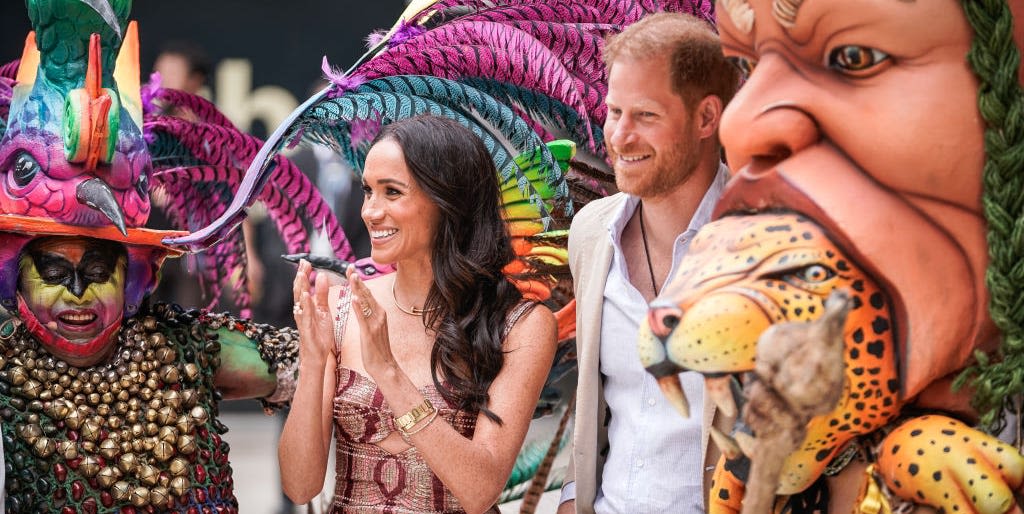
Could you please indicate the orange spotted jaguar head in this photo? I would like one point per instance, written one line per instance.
(745, 273)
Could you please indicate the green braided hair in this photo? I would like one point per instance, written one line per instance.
(999, 379)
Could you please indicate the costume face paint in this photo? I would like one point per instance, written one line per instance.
(75, 289)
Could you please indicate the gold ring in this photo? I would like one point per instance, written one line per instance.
(367, 312)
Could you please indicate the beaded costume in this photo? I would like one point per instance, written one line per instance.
(106, 401)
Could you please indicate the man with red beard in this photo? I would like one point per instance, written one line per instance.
(668, 85)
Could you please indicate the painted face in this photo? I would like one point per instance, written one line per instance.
(650, 133)
(863, 115)
(75, 289)
(400, 217)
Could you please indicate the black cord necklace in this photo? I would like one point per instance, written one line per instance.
(647, 251)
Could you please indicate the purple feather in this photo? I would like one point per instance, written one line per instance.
(362, 132)
(340, 82)
(149, 91)
(10, 70)
(375, 38)
(6, 93)
(531, 66)
(201, 109)
(199, 194)
(405, 32)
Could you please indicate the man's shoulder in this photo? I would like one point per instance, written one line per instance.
(595, 215)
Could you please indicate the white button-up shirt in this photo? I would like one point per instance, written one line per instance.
(655, 463)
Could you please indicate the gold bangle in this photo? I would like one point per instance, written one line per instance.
(406, 434)
(418, 413)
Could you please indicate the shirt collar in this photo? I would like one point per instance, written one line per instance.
(701, 216)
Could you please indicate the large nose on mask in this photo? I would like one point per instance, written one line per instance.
(770, 118)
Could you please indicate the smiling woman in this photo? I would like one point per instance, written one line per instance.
(437, 376)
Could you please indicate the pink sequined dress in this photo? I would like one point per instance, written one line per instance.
(371, 479)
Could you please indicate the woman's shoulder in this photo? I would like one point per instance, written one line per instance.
(529, 322)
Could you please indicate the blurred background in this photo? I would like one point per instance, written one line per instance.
(257, 60)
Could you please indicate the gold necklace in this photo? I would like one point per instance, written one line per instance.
(415, 310)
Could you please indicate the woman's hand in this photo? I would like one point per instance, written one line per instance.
(312, 316)
(373, 328)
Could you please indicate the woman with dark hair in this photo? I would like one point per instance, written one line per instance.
(431, 391)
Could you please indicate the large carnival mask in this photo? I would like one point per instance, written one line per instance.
(862, 115)
(859, 117)
(71, 292)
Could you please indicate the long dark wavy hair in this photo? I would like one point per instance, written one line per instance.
(470, 296)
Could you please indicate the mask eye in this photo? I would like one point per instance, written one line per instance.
(855, 59)
(746, 66)
(25, 169)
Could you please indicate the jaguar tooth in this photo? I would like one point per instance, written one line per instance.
(720, 391)
(746, 443)
(673, 391)
(729, 447)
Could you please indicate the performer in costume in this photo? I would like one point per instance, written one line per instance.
(106, 401)
(874, 155)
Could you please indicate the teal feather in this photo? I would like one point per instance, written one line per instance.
(475, 104)
(527, 463)
(325, 122)
(545, 108)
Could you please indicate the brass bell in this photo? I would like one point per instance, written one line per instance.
(163, 451)
(178, 467)
(90, 430)
(172, 399)
(110, 449)
(189, 397)
(199, 415)
(158, 496)
(18, 376)
(32, 388)
(191, 371)
(108, 476)
(148, 474)
(128, 462)
(44, 447)
(121, 490)
(30, 432)
(169, 374)
(166, 415)
(166, 355)
(157, 340)
(187, 444)
(168, 433)
(140, 496)
(89, 466)
(180, 485)
(184, 424)
(67, 449)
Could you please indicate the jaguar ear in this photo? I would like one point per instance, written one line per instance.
(29, 64)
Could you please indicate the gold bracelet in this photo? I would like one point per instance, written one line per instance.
(406, 434)
(418, 413)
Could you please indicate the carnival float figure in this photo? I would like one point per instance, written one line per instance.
(875, 145)
(109, 402)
